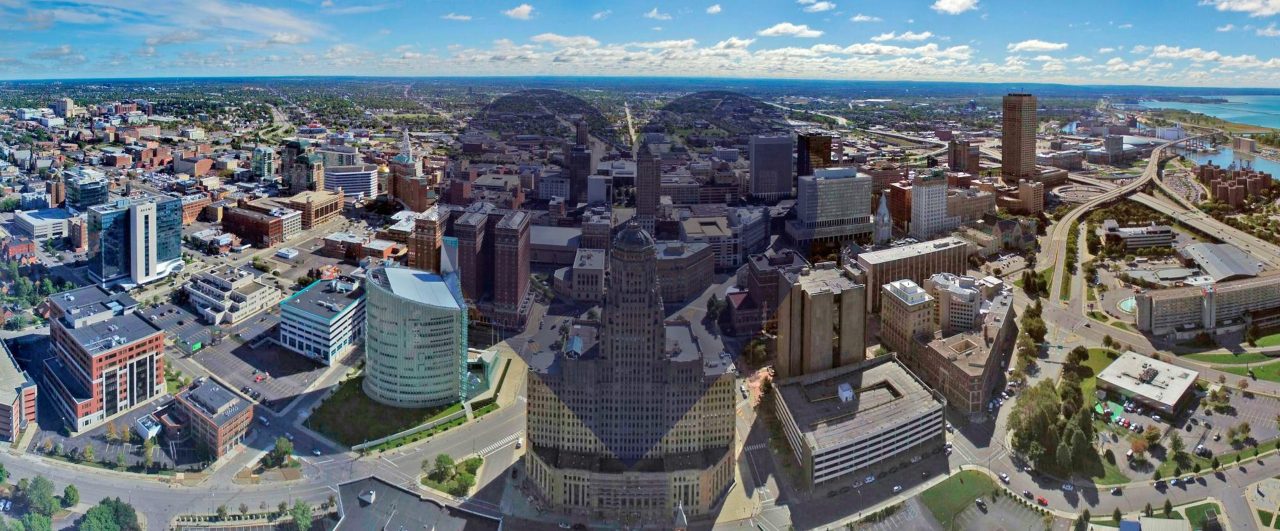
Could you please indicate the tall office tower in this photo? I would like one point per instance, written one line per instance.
(962, 155)
(581, 133)
(834, 204)
(648, 182)
(813, 152)
(906, 311)
(821, 320)
(580, 166)
(263, 162)
(425, 241)
(86, 188)
(638, 427)
(288, 157)
(137, 239)
(1018, 145)
(884, 221)
(415, 338)
(306, 174)
(771, 177)
(929, 206)
(511, 266)
(474, 258)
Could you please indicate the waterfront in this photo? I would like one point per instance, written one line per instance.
(1262, 111)
(1225, 156)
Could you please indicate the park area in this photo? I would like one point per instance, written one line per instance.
(948, 499)
(336, 418)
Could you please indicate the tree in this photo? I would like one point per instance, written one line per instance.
(148, 453)
(1077, 355)
(4, 474)
(1243, 384)
(1176, 445)
(33, 522)
(1244, 430)
(222, 512)
(244, 508)
(443, 468)
(1107, 341)
(1147, 510)
(38, 496)
(1168, 507)
(1115, 515)
(120, 459)
(280, 453)
(282, 508)
(1138, 445)
(70, 496)
(1215, 464)
(111, 432)
(1152, 435)
(301, 514)
(87, 454)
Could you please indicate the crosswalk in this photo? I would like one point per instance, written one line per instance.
(510, 439)
(754, 447)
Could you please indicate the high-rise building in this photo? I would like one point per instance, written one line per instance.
(263, 162)
(915, 262)
(813, 151)
(86, 188)
(415, 338)
(511, 267)
(648, 183)
(906, 311)
(475, 254)
(963, 155)
(1018, 142)
(637, 425)
(771, 177)
(929, 206)
(580, 165)
(426, 240)
(582, 134)
(135, 238)
(821, 320)
(834, 204)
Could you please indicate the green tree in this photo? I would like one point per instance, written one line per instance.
(70, 496)
(244, 508)
(443, 468)
(1176, 445)
(1147, 510)
(222, 513)
(301, 514)
(1116, 516)
(4, 474)
(280, 453)
(38, 496)
(33, 522)
(1168, 507)
(282, 508)
(148, 453)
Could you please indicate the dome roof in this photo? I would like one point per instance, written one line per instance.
(632, 238)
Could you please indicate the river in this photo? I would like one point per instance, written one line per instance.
(1263, 111)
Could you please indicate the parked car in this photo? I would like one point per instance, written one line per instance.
(897, 489)
(1004, 477)
(1040, 500)
(1068, 487)
(1027, 494)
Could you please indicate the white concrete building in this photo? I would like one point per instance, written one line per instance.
(323, 320)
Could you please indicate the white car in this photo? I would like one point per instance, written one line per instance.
(868, 479)
(1068, 487)
(1004, 477)
(897, 489)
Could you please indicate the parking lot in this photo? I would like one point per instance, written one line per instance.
(912, 515)
(1004, 514)
(1259, 411)
(272, 374)
(179, 454)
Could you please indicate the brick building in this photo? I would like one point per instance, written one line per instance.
(217, 417)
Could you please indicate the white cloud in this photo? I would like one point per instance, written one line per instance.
(714, 9)
(1255, 8)
(864, 18)
(565, 41)
(666, 45)
(520, 12)
(174, 37)
(954, 7)
(1105, 51)
(601, 15)
(733, 43)
(904, 36)
(1226, 28)
(330, 9)
(1125, 26)
(657, 15)
(818, 7)
(1036, 45)
(1139, 49)
(1269, 31)
(288, 38)
(1079, 59)
(787, 29)
(455, 16)
(411, 55)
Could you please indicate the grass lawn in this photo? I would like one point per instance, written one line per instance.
(1196, 513)
(1099, 316)
(956, 493)
(1098, 360)
(1111, 474)
(350, 417)
(1122, 325)
(1265, 517)
(1066, 287)
(1089, 294)
(1269, 340)
(1269, 372)
(1230, 359)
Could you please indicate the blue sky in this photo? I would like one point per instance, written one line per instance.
(1157, 42)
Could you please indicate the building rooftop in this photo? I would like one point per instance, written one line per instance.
(325, 298)
(908, 292)
(907, 251)
(1222, 261)
(45, 214)
(91, 300)
(215, 402)
(823, 277)
(418, 286)
(102, 336)
(717, 227)
(554, 236)
(1151, 378)
(372, 503)
(589, 259)
(12, 377)
(883, 394)
(674, 250)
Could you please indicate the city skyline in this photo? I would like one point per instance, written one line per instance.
(1218, 43)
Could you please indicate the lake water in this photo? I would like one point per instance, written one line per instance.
(1262, 111)
(1225, 156)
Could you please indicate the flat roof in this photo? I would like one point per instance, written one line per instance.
(421, 287)
(1222, 261)
(589, 259)
(1151, 378)
(90, 300)
(325, 298)
(215, 402)
(45, 214)
(12, 377)
(885, 394)
(907, 251)
(103, 336)
(554, 236)
(372, 503)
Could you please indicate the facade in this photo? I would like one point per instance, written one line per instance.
(138, 239)
(229, 295)
(906, 312)
(1136, 237)
(475, 254)
(1018, 140)
(929, 216)
(425, 240)
(821, 320)
(1205, 306)
(106, 358)
(1161, 386)
(813, 151)
(17, 396)
(1030, 196)
(762, 276)
(263, 162)
(217, 417)
(85, 188)
(638, 423)
(359, 180)
(44, 224)
(648, 184)
(916, 262)
(834, 204)
(254, 228)
(686, 269)
(415, 338)
(855, 419)
(715, 232)
(511, 268)
(964, 156)
(323, 320)
(317, 208)
(771, 177)
(587, 276)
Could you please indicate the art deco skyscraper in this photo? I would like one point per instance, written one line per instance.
(1018, 145)
(639, 425)
(648, 182)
